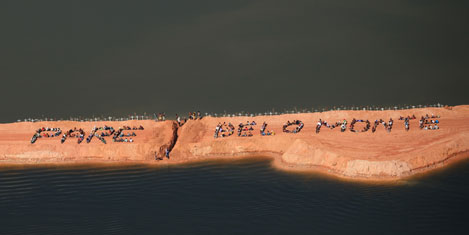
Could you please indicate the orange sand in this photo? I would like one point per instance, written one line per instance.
(380, 155)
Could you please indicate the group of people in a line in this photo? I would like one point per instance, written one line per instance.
(94, 133)
(219, 131)
(354, 121)
(98, 132)
(406, 121)
(245, 129)
(343, 125)
(263, 128)
(119, 135)
(387, 125)
(408, 117)
(299, 125)
(431, 127)
(37, 134)
(133, 128)
(71, 133)
(427, 123)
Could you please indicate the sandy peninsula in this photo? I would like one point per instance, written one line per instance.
(381, 155)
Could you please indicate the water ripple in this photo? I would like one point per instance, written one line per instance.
(222, 196)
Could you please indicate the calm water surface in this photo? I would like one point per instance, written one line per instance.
(245, 196)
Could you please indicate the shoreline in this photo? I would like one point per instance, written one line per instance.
(275, 160)
(381, 156)
(275, 164)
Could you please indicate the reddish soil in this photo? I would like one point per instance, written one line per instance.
(380, 155)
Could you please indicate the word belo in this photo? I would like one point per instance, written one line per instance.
(245, 129)
(119, 135)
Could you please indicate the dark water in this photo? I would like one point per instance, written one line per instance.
(222, 198)
(118, 57)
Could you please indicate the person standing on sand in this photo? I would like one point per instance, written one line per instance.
(167, 153)
(318, 126)
(178, 119)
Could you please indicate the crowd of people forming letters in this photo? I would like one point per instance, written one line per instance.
(299, 125)
(245, 129)
(224, 129)
(98, 132)
(37, 134)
